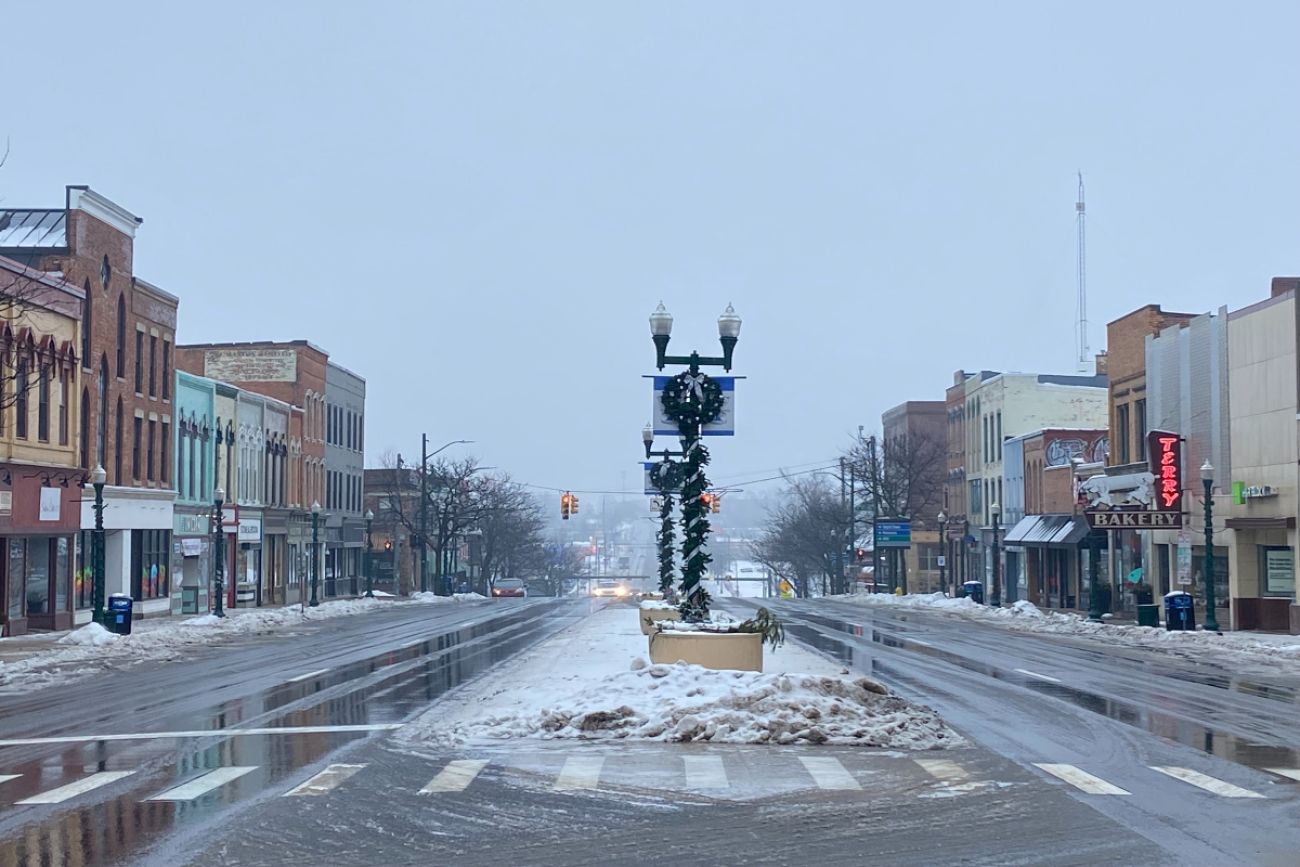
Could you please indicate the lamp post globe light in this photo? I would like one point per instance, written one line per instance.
(692, 400)
(219, 553)
(995, 598)
(1207, 479)
(943, 551)
(97, 479)
(370, 557)
(315, 551)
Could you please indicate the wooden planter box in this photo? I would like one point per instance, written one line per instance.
(740, 651)
(648, 617)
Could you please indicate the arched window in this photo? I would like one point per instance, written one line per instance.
(117, 443)
(22, 386)
(85, 428)
(121, 335)
(101, 429)
(43, 402)
(87, 326)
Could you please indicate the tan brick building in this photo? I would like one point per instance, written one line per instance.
(915, 442)
(128, 330)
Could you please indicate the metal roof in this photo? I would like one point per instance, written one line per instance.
(1042, 530)
(33, 228)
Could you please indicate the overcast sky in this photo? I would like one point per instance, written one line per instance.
(477, 205)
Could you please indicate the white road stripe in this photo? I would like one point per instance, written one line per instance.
(4, 778)
(580, 772)
(1292, 773)
(1081, 780)
(309, 675)
(201, 733)
(705, 772)
(202, 785)
(944, 770)
(828, 773)
(1208, 783)
(918, 641)
(325, 781)
(455, 777)
(80, 787)
(1026, 671)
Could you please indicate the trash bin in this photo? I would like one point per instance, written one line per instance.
(118, 616)
(974, 591)
(1179, 613)
(1148, 615)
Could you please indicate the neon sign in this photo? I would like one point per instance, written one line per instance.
(1166, 451)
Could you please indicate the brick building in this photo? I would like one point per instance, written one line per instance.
(127, 336)
(915, 442)
(293, 373)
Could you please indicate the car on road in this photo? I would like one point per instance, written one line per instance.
(509, 587)
(608, 587)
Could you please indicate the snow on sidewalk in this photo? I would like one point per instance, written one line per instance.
(1024, 616)
(91, 649)
(592, 682)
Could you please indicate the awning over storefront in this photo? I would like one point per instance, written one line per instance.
(1046, 530)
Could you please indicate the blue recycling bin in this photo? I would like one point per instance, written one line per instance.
(118, 617)
(1179, 613)
(974, 591)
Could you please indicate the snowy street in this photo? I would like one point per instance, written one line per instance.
(421, 734)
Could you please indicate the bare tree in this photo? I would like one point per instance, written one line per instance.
(899, 478)
(805, 536)
(510, 529)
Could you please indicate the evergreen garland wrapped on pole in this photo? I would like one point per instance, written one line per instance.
(665, 540)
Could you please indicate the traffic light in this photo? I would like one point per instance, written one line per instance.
(566, 501)
(861, 554)
(573, 504)
(712, 502)
(388, 545)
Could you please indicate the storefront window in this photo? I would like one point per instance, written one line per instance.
(1279, 571)
(17, 571)
(149, 561)
(62, 565)
(38, 577)
(83, 582)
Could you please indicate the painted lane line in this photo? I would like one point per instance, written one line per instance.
(1206, 782)
(944, 770)
(918, 641)
(580, 772)
(201, 733)
(80, 787)
(1029, 673)
(829, 774)
(327, 780)
(456, 777)
(705, 772)
(1081, 780)
(309, 675)
(4, 778)
(202, 785)
(1290, 773)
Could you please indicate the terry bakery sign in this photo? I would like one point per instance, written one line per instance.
(1165, 452)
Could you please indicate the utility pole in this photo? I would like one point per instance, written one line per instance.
(424, 512)
(875, 511)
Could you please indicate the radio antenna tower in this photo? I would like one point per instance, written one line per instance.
(1081, 217)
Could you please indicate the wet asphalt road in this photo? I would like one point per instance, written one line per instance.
(1104, 718)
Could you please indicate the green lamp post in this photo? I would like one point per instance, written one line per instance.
(97, 479)
(219, 577)
(370, 557)
(1207, 479)
(315, 551)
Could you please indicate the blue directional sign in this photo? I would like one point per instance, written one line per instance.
(893, 534)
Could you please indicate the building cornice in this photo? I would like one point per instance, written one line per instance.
(83, 198)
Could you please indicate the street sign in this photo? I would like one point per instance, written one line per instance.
(893, 534)
(1134, 520)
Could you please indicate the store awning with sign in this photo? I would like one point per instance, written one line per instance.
(1045, 530)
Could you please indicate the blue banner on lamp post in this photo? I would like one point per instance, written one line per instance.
(724, 426)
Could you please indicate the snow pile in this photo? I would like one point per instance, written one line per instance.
(202, 620)
(688, 703)
(90, 635)
(657, 605)
(1023, 616)
(469, 597)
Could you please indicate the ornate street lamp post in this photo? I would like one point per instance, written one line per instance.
(370, 556)
(995, 599)
(692, 400)
(97, 479)
(219, 554)
(943, 551)
(315, 551)
(667, 479)
(1207, 479)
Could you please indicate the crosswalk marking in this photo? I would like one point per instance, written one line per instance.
(705, 772)
(202, 785)
(1291, 773)
(326, 781)
(80, 787)
(943, 770)
(1035, 674)
(309, 675)
(455, 777)
(4, 778)
(1080, 779)
(1208, 783)
(828, 773)
(580, 772)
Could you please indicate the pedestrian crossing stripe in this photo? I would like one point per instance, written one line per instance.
(200, 786)
(1206, 782)
(326, 781)
(1080, 779)
(580, 772)
(456, 777)
(78, 787)
(828, 773)
(1289, 773)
